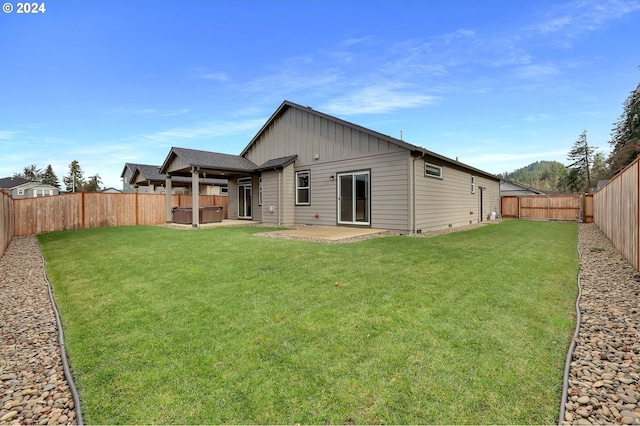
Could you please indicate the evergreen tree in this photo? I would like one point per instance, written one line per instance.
(93, 185)
(50, 178)
(31, 173)
(74, 181)
(581, 156)
(599, 170)
(625, 136)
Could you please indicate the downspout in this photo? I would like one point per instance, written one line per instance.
(413, 195)
(279, 196)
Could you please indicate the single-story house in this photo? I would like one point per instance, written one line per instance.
(19, 187)
(307, 167)
(513, 188)
(145, 178)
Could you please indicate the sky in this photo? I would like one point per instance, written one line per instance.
(498, 84)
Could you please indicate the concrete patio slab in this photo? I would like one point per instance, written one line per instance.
(330, 233)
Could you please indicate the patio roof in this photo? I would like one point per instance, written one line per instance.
(181, 161)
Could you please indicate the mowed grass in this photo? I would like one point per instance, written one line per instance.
(219, 326)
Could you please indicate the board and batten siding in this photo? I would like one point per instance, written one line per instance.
(388, 183)
(449, 201)
(278, 183)
(310, 136)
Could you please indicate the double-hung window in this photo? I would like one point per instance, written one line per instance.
(303, 188)
(473, 184)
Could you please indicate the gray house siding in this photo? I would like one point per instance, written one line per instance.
(307, 135)
(450, 202)
(278, 184)
(232, 202)
(326, 148)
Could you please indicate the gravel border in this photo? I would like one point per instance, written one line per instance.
(33, 387)
(605, 366)
(604, 372)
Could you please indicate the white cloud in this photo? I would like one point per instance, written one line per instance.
(8, 134)
(203, 130)
(205, 74)
(150, 111)
(382, 98)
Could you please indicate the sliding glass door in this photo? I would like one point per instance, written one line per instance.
(353, 198)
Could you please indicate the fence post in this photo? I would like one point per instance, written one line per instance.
(82, 209)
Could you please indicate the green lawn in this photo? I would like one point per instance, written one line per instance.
(220, 326)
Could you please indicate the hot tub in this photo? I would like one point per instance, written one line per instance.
(207, 214)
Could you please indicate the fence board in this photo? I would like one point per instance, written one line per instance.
(97, 209)
(617, 212)
(542, 207)
(7, 218)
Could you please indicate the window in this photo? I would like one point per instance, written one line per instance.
(432, 170)
(473, 184)
(20, 191)
(260, 191)
(302, 188)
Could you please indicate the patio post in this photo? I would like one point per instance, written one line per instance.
(167, 187)
(195, 197)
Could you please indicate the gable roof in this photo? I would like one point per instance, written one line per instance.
(130, 166)
(276, 163)
(40, 185)
(208, 161)
(12, 182)
(510, 186)
(417, 150)
(151, 173)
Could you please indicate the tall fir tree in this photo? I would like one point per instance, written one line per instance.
(581, 157)
(625, 136)
(31, 173)
(74, 181)
(49, 177)
(93, 184)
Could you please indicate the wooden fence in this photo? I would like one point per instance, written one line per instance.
(7, 221)
(617, 212)
(544, 207)
(97, 209)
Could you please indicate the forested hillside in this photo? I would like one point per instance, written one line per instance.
(541, 175)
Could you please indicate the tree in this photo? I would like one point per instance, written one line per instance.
(581, 156)
(50, 178)
(93, 185)
(599, 170)
(625, 136)
(31, 173)
(74, 181)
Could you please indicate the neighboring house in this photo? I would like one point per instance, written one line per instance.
(23, 188)
(145, 178)
(512, 188)
(307, 167)
(111, 190)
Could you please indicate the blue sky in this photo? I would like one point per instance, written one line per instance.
(498, 84)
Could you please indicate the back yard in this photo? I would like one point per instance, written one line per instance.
(220, 326)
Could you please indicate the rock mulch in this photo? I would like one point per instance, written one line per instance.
(604, 378)
(33, 388)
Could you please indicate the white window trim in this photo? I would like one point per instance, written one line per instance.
(20, 191)
(308, 188)
(431, 175)
(473, 184)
